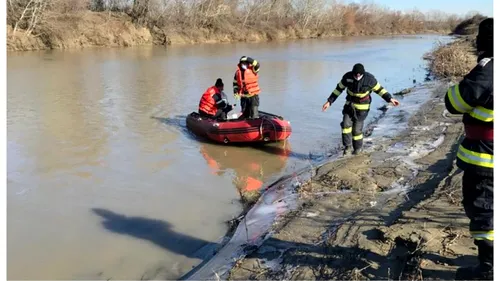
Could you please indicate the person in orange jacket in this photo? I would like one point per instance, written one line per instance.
(246, 86)
(213, 103)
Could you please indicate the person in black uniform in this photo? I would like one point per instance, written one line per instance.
(359, 84)
(473, 98)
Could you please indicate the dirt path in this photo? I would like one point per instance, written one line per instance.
(391, 213)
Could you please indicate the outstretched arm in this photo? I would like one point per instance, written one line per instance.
(383, 93)
(338, 90)
(335, 94)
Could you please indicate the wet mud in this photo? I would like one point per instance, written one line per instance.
(392, 212)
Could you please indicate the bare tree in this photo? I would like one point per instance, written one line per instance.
(308, 11)
(32, 12)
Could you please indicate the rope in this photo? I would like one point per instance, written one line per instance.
(264, 118)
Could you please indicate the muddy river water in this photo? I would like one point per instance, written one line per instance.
(103, 179)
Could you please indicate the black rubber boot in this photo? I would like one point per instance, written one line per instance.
(347, 151)
(483, 271)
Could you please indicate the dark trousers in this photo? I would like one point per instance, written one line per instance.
(221, 113)
(250, 107)
(478, 204)
(352, 127)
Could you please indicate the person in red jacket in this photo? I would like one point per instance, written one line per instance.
(213, 103)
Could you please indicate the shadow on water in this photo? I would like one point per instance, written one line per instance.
(178, 122)
(277, 149)
(339, 259)
(157, 232)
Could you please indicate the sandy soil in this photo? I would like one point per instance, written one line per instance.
(391, 213)
(79, 30)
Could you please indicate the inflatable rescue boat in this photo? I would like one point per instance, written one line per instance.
(267, 128)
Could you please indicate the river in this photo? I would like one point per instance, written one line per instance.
(103, 179)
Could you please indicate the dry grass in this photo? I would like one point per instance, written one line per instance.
(453, 60)
(198, 21)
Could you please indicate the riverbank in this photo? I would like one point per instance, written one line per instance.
(393, 212)
(454, 60)
(398, 215)
(49, 24)
(95, 29)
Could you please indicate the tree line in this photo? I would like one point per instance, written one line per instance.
(320, 16)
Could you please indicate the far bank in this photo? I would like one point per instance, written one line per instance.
(52, 24)
(90, 29)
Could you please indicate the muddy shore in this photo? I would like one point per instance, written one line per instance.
(392, 212)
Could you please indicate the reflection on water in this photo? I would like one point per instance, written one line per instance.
(81, 138)
(252, 166)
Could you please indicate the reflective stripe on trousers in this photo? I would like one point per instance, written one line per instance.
(482, 235)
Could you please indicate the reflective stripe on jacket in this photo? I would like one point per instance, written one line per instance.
(358, 92)
(473, 98)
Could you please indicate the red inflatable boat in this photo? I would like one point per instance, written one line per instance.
(268, 128)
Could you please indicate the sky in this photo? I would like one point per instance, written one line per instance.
(460, 7)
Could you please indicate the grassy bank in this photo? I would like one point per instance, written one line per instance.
(54, 24)
(452, 61)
